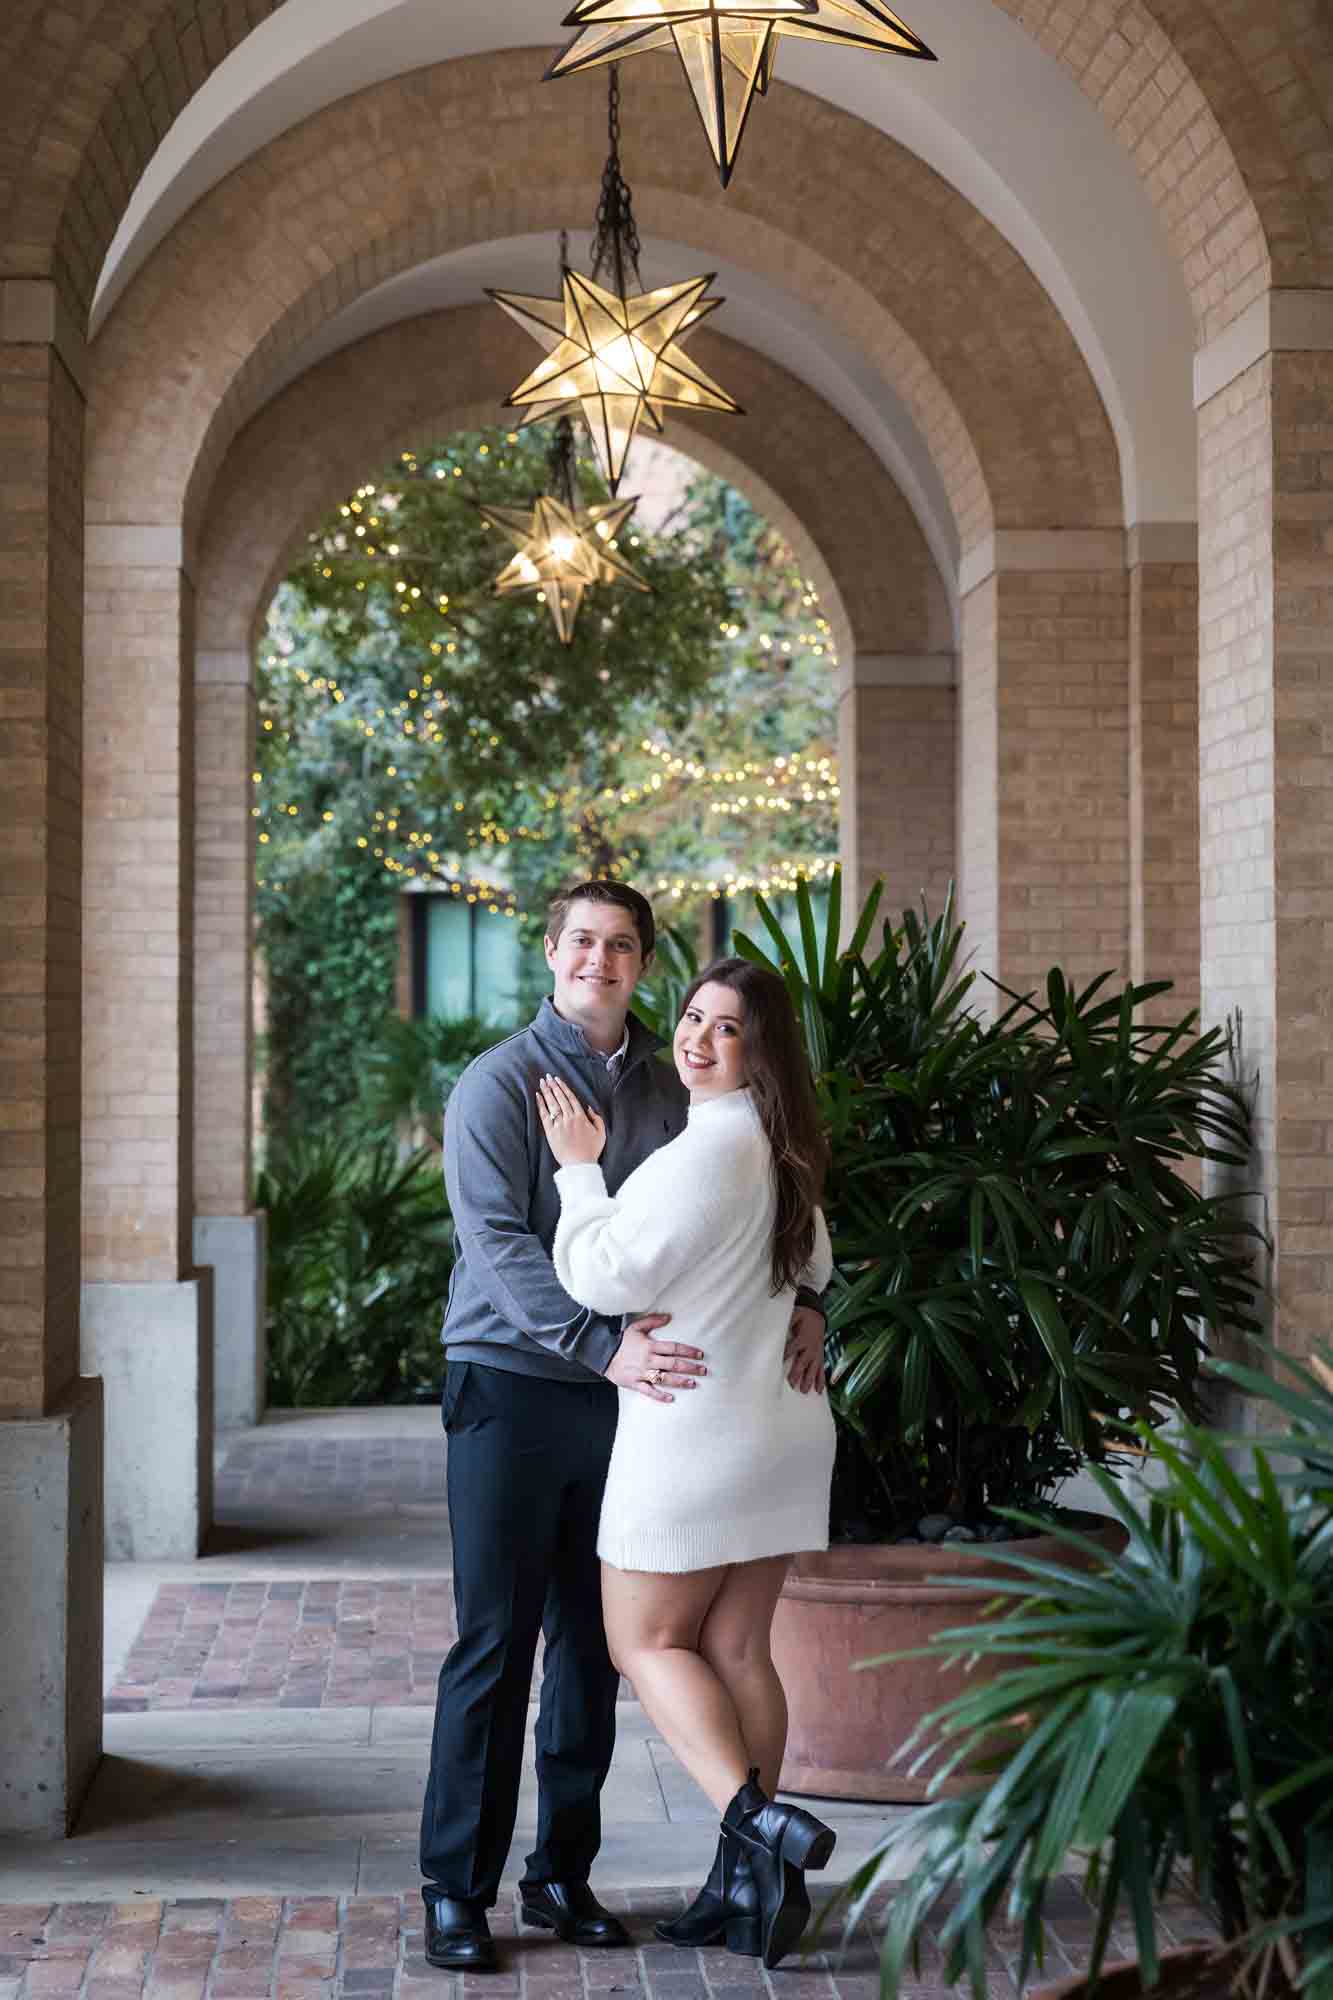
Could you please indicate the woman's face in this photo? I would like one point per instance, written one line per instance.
(709, 1043)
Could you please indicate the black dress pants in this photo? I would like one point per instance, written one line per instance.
(527, 1464)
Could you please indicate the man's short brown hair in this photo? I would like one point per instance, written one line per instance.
(557, 912)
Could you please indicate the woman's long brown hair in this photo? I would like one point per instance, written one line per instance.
(778, 1078)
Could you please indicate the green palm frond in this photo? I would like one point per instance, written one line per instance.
(1168, 1705)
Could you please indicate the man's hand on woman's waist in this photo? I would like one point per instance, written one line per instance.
(654, 1367)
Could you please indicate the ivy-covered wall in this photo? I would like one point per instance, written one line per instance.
(329, 932)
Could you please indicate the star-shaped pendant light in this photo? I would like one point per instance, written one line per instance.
(613, 350)
(727, 48)
(617, 358)
(563, 548)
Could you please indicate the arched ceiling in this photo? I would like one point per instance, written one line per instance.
(775, 323)
(449, 157)
(425, 377)
(991, 117)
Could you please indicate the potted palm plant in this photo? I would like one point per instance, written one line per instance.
(1168, 1707)
(1024, 1271)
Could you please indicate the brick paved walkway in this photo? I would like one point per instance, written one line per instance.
(293, 1644)
(346, 1475)
(370, 1948)
(289, 1645)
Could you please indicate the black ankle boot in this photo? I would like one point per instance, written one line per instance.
(726, 1907)
(779, 1842)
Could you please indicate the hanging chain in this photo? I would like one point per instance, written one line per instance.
(561, 474)
(617, 240)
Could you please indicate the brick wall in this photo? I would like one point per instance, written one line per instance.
(1236, 829)
(41, 674)
(102, 82)
(896, 759)
(976, 788)
(1164, 782)
(1062, 645)
(1223, 105)
(1302, 664)
(138, 900)
(1043, 785)
(223, 917)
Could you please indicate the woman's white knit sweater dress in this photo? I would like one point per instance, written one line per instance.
(740, 1466)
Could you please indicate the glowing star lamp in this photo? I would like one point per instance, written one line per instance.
(727, 48)
(563, 548)
(613, 350)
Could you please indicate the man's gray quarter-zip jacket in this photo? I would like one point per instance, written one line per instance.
(507, 1308)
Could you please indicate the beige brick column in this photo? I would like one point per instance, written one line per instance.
(896, 760)
(145, 1309)
(228, 1234)
(1164, 762)
(1264, 391)
(1043, 818)
(50, 1420)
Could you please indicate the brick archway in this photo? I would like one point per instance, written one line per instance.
(1226, 121)
(469, 151)
(449, 371)
(1222, 105)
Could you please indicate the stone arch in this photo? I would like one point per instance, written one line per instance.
(453, 369)
(1225, 117)
(415, 167)
(104, 79)
(433, 374)
(1224, 109)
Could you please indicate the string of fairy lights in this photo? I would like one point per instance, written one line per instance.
(413, 597)
(425, 717)
(428, 862)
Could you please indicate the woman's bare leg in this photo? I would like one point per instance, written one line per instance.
(734, 1640)
(653, 1624)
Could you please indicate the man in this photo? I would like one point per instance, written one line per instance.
(530, 1423)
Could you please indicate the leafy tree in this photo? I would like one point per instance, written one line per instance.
(330, 943)
(414, 724)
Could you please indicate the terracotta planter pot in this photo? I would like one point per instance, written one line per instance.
(1193, 1972)
(862, 1599)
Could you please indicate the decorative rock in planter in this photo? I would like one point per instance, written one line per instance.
(862, 1599)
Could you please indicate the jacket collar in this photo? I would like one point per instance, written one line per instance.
(557, 1032)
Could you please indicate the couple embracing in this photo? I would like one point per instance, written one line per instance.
(654, 1227)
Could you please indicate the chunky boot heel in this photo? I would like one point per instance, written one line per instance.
(806, 1841)
(780, 1841)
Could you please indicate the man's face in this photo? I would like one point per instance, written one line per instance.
(596, 961)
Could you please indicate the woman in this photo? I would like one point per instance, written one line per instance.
(711, 1493)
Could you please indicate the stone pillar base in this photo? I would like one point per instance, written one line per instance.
(234, 1247)
(51, 1589)
(153, 1347)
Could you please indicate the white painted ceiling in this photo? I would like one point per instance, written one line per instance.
(994, 116)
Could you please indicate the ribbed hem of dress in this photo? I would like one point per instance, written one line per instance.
(675, 1548)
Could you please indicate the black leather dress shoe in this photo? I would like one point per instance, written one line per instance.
(572, 1911)
(458, 1937)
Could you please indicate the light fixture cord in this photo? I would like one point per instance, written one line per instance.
(617, 240)
(561, 474)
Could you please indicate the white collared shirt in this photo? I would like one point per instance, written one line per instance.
(616, 1054)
